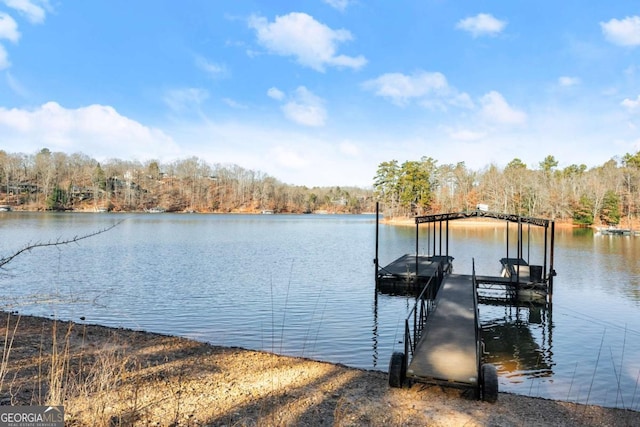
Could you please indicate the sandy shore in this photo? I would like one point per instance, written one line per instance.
(110, 377)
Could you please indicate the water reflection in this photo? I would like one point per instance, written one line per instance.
(518, 340)
(374, 337)
(582, 232)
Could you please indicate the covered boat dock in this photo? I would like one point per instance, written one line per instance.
(442, 339)
(519, 279)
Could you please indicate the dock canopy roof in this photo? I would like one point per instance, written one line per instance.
(485, 214)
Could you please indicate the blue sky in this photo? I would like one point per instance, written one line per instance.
(320, 92)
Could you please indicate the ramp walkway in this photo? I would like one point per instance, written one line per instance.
(448, 348)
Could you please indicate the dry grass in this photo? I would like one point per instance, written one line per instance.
(111, 377)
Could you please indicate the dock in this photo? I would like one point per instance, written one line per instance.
(448, 349)
(442, 338)
(614, 231)
(519, 279)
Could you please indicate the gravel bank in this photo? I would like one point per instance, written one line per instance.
(108, 377)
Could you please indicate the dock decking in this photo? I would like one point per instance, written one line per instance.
(410, 273)
(447, 350)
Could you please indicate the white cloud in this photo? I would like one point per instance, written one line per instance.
(466, 135)
(305, 108)
(97, 130)
(568, 81)
(625, 32)
(275, 93)
(481, 25)
(234, 104)
(8, 28)
(400, 88)
(288, 153)
(212, 69)
(349, 148)
(288, 158)
(13, 83)
(33, 10)
(631, 104)
(462, 100)
(312, 43)
(185, 99)
(341, 5)
(35, 13)
(4, 58)
(496, 109)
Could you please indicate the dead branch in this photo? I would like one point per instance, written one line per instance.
(5, 260)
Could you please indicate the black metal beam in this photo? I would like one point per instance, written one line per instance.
(482, 214)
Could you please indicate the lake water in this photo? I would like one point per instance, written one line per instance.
(303, 285)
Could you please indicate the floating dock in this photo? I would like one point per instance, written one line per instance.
(410, 273)
(614, 231)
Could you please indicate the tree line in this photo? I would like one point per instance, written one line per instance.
(58, 181)
(603, 195)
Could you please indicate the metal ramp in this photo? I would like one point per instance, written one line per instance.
(447, 350)
(442, 339)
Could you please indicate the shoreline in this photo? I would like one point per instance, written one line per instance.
(112, 376)
(398, 221)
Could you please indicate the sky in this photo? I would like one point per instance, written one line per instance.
(320, 92)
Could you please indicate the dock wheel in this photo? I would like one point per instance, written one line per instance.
(489, 383)
(397, 370)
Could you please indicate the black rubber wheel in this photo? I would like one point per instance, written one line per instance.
(489, 383)
(397, 370)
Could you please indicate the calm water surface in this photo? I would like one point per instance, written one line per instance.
(303, 285)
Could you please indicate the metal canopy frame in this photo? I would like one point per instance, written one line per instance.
(485, 214)
(510, 218)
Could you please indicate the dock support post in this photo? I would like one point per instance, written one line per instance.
(417, 248)
(434, 239)
(375, 260)
(546, 244)
(507, 239)
(552, 272)
(447, 239)
(528, 243)
(518, 255)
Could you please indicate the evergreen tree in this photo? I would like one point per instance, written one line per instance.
(57, 200)
(99, 178)
(610, 213)
(582, 212)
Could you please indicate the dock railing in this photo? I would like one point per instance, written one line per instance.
(417, 318)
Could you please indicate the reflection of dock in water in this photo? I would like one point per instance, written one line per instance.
(518, 340)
